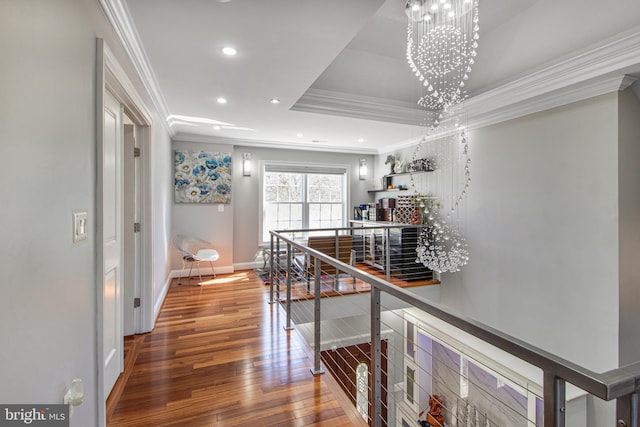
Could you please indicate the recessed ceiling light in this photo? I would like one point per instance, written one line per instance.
(299, 135)
(224, 1)
(229, 51)
(360, 139)
(216, 127)
(221, 100)
(274, 101)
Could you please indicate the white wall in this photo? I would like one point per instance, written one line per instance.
(47, 128)
(629, 199)
(543, 232)
(542, 227)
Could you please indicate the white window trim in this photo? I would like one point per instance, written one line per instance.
(313, 167)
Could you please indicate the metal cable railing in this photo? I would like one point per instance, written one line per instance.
(622, 384)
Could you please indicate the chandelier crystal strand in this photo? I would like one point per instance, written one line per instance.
(442, 38)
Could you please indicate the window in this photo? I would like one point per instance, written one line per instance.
(298, 197)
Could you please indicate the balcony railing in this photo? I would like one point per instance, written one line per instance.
(392, 349)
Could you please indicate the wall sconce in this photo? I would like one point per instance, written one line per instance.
(246, 164)
(362, 169)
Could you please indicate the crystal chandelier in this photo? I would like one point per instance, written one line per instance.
(442, 42)
(442, 38)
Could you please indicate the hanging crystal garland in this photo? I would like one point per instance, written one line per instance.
(441, 245)
(442, 38)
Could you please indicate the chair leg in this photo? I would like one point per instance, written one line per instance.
(212, 271)
(199, 273)
(184, 263)
(190, 269)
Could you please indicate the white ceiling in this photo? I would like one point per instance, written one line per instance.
(313, 55)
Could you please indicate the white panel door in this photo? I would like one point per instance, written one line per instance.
(112, 243)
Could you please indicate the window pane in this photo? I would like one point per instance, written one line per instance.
(270, 193)
(314, 212)
(296, 213)
(410, 384)
(336, 212)
(298, 201)
(283, 213)
(325, 212)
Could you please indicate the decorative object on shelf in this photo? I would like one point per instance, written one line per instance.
(202, 177)
(391, 160)
(398, 167)
(406, 210)
(442, 42)
(423, 165)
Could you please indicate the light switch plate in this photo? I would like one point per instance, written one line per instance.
(79, 226)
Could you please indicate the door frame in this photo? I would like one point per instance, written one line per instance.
(110, 76)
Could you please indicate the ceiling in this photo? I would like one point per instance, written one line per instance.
(337, 66)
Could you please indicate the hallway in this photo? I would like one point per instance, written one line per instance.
(219, 357)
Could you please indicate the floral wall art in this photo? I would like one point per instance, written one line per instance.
(202, 177)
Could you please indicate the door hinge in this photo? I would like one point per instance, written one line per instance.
(136, 302)
(136, 151)
(136, 227)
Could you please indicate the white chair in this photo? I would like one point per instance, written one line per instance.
(195, 251)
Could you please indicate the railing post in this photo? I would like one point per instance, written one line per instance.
(336, 278)
(271, 301)
(278, 268)
(376, 358)
(627, 411)
(555, 397)
(387, 253)
(288, 325)
(317, 369)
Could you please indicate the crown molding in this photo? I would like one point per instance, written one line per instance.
(591, 72)
(480, 116)
(358, 107)
(186, 137)
(119, 17)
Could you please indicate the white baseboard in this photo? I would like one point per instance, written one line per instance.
(158, 303)
(248, 265)
(205, 271)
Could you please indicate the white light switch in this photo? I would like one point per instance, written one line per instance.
(220, 207)
(79, 226)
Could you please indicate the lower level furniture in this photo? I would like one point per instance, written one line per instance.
(370, 243)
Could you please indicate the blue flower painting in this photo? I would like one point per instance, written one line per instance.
(202, 177)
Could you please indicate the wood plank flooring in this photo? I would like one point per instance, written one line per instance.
(219, 356)
(344, 286)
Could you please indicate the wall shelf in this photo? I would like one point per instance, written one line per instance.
(388, 181)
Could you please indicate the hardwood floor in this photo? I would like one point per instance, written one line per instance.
(219, 356)
(344, 286)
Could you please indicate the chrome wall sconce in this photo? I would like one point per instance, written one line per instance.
(246, 164)
(362, 169)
